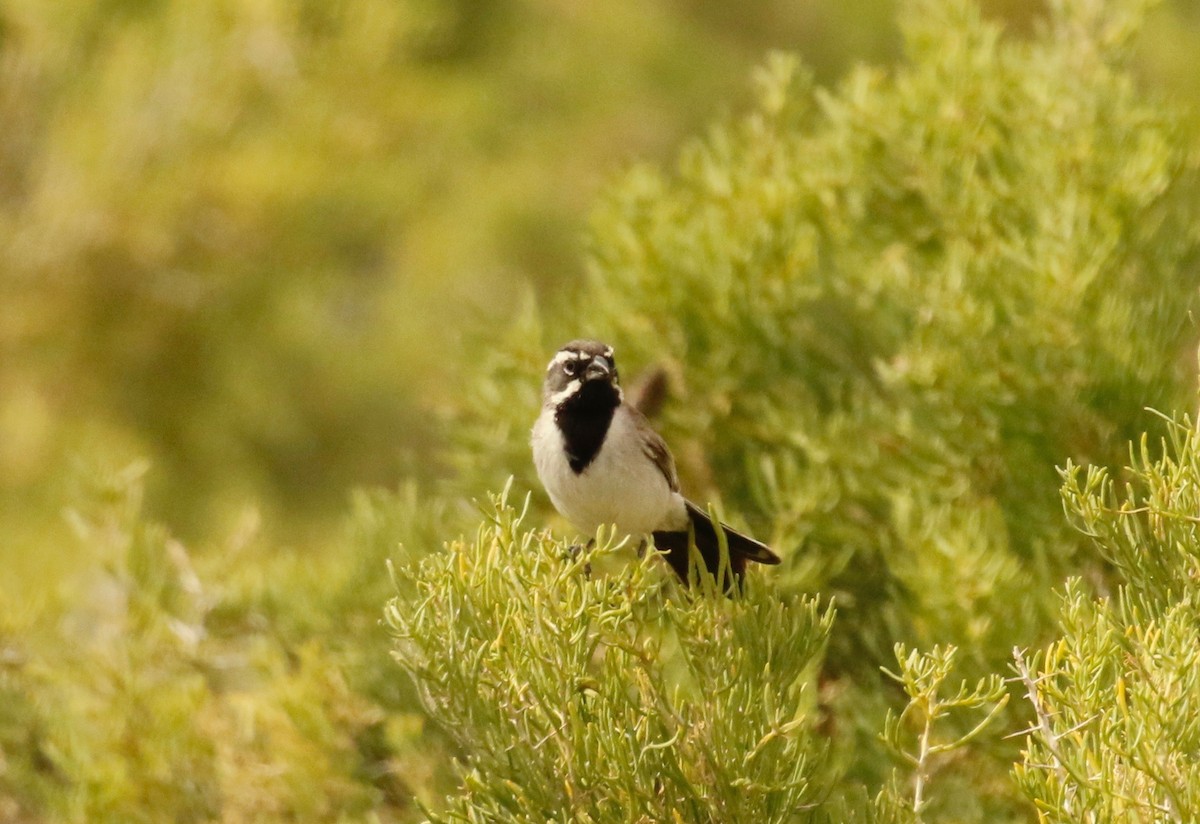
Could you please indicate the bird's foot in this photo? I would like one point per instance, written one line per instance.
(575, 550)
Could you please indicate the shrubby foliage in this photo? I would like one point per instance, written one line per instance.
(894, 308)
(888, 312)
(1117, 698)
(559, 686)
(234, 686)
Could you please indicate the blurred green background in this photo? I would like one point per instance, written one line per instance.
(245, 240)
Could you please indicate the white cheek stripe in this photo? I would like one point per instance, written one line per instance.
(566, 392)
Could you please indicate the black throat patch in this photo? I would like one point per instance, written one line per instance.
(583, 420)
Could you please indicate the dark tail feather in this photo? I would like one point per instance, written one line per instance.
(742, 548)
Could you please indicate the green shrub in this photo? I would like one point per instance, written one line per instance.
(240, 684)
(888, 312)
(894, 308)
(1116, 699)
(581, 698)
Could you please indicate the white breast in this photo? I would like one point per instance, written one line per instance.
(620, 486)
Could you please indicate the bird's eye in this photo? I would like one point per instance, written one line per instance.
(571, 367)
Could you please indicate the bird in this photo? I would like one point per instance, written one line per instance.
(601, 462)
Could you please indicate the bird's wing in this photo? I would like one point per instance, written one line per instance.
(655, 449)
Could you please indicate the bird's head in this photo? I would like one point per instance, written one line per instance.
(579, 369)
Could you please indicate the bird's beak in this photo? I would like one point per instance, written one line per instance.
(598, 369)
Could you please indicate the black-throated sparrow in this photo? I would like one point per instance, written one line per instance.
(601, 463)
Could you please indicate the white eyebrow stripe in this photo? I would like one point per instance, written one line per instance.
(564, 356)
(608, 352)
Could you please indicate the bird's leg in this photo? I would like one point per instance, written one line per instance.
(575, 550)
(641, 550)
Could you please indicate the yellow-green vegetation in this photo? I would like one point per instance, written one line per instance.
(261, 259)
(595, 699)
